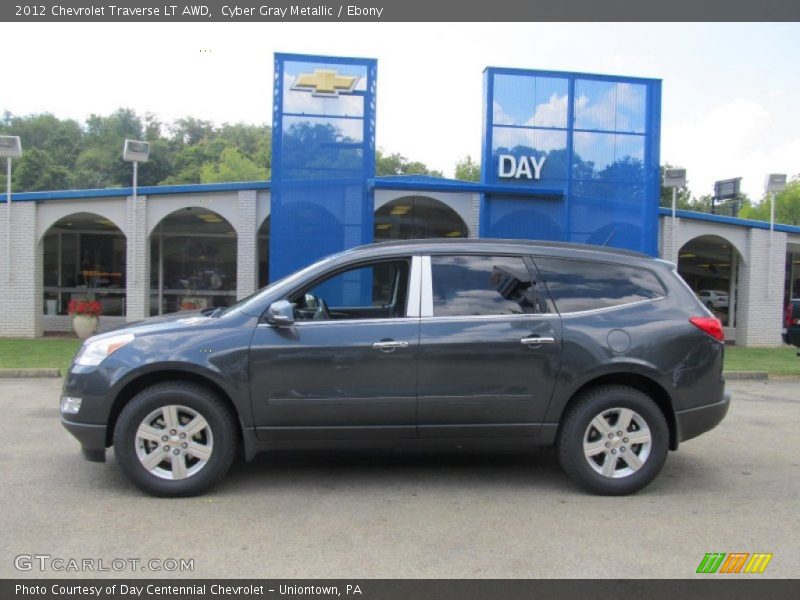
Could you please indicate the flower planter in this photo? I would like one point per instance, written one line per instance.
(190, 303)
(84, 325)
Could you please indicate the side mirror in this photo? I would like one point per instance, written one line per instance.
(281, 313)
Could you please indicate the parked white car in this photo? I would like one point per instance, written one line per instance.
(713, 298)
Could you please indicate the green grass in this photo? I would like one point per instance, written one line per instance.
(38, 353)
(57, 353)
(782, 362)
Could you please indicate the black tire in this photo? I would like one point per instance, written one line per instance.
(592, 403)
(221, 423)
(710, 305)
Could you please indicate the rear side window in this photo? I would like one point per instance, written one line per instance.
(483, 285)
(577, 285)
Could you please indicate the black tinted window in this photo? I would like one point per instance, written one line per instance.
(577, 285)
(372, 291)
(482, 285)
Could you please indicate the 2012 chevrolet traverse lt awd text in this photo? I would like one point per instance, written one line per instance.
(606, 354)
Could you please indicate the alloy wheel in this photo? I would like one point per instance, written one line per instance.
(617, 443)
(174, 442)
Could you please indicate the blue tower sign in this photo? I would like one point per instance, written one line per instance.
(323, 153)
(595, 137)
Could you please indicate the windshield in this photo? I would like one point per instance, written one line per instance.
(255, 298)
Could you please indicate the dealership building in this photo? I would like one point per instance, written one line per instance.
(565, 156)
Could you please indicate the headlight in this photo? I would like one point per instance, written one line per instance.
(94, 352)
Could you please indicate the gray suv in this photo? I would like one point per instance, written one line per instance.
(606, 354)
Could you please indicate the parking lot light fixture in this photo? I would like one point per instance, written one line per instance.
(774, 184)
(674, 178)
(10, 147)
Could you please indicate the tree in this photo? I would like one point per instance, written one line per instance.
(468, 170)
(73, 155)
(397, 164)
(787, 206)
(232, 166)
(36, 170)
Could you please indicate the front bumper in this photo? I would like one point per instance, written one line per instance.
(91, 437)
(695, 421)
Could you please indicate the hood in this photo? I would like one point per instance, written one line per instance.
(168, 322)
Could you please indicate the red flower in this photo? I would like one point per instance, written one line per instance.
(85, 306)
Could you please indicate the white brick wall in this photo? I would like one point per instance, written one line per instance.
(21, 315)
(246, 245)
(475, 223)
(760, 297)
(137, 265)
(669, 245)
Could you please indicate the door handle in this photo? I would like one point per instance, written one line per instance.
(535, 341)
(389, 346)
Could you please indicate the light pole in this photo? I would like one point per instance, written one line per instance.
(10, 147)
(774, 183)
(135, 152)
(674, 178)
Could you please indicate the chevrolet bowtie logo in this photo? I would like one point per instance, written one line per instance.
(325, 82)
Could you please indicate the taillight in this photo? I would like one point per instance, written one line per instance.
(710, 325)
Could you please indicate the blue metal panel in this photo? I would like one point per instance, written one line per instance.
(595, 137)
(323, 153)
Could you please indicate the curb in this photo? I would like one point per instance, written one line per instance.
(746, 375)
(24, 373)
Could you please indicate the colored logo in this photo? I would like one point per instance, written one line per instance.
(734, 562)
(325, 82)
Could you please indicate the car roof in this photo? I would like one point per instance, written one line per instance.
(501, 246)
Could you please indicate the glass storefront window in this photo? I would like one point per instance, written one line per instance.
(263, 254)
(193, 262)
(84, 255)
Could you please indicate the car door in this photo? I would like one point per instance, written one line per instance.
(490, 347)
(347, 367)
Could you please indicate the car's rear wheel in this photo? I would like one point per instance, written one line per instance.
(614, 440)
(175, 439)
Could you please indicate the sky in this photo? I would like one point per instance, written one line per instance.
(730, 91)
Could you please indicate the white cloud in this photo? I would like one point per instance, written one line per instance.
(553, 113)
(729, 140)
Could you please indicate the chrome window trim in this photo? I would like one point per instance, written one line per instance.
(426, 288)
(394, 320)
(512, 317)
(604, 309)
(414, 301)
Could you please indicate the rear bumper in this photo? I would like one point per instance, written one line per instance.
(695, 421)
(91, 437)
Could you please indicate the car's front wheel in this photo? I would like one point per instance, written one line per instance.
(614, 440)
(175, 439)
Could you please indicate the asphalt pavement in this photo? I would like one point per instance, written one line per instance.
(403, 514)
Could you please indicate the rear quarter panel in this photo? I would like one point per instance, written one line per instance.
(664, 347)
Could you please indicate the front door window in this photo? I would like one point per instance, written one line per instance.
(373, 291)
